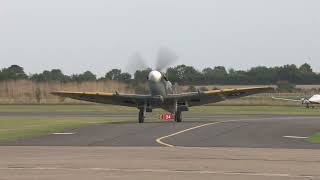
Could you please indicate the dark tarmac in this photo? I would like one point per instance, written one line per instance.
(229, 147)
(247, 131)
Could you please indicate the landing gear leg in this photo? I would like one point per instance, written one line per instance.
(178, 116)
(141, 115)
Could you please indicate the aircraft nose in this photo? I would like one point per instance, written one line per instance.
(154, 76)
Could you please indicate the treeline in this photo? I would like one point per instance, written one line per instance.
(257, 75)
(181, 74)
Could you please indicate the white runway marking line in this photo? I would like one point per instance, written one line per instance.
(296, 137)
(160, 140)
(65, 133)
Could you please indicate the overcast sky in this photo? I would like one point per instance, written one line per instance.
(97, 35)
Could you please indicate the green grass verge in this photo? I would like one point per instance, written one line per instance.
(13, 128)
(314, 138)
(65, 108)
(257, 110)
(272, 110)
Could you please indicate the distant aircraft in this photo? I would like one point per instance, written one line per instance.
(162, 94)
(315, 99)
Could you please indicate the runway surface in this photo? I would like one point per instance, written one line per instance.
(229, 147)
(134, 163)
(251, 131)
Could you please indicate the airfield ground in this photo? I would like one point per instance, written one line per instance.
(24, 121)
(222, 142)
(157, 163)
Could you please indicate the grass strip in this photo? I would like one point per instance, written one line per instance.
(314, 138)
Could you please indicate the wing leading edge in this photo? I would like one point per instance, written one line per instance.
(131, 100)
(191, 98)
(212, 96)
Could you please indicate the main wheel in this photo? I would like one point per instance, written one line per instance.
(178, 116)
(141, 116)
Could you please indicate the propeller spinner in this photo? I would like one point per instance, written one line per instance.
(155, 76)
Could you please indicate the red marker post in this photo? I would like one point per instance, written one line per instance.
(167, 116)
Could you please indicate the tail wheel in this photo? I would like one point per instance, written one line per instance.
(178, 116)
(141, 116)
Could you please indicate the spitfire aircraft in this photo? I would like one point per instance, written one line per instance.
(162, 94)
(315, 99)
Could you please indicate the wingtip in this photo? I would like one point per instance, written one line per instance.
(53, 92)
(269, 88)
(56, 93)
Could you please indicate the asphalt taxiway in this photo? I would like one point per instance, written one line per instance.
(251, 131)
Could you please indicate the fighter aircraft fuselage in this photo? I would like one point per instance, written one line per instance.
(158, 84)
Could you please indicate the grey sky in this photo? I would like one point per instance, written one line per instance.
(97, 35)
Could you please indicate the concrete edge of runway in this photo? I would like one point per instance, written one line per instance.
(157, 162)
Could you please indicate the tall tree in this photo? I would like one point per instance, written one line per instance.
(114, 74)
(117, 75)
(183, 74)
(305, 68)
(141, 75)
(86, 76)
(13, 72)
(307, 76)
(53, 75)
(262, 75)
(289, 73)
(216, 75)
(124, 77)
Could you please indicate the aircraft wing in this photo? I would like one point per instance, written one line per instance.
(131, 100)
(285, 99)
(206, 97)
(192, 98)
